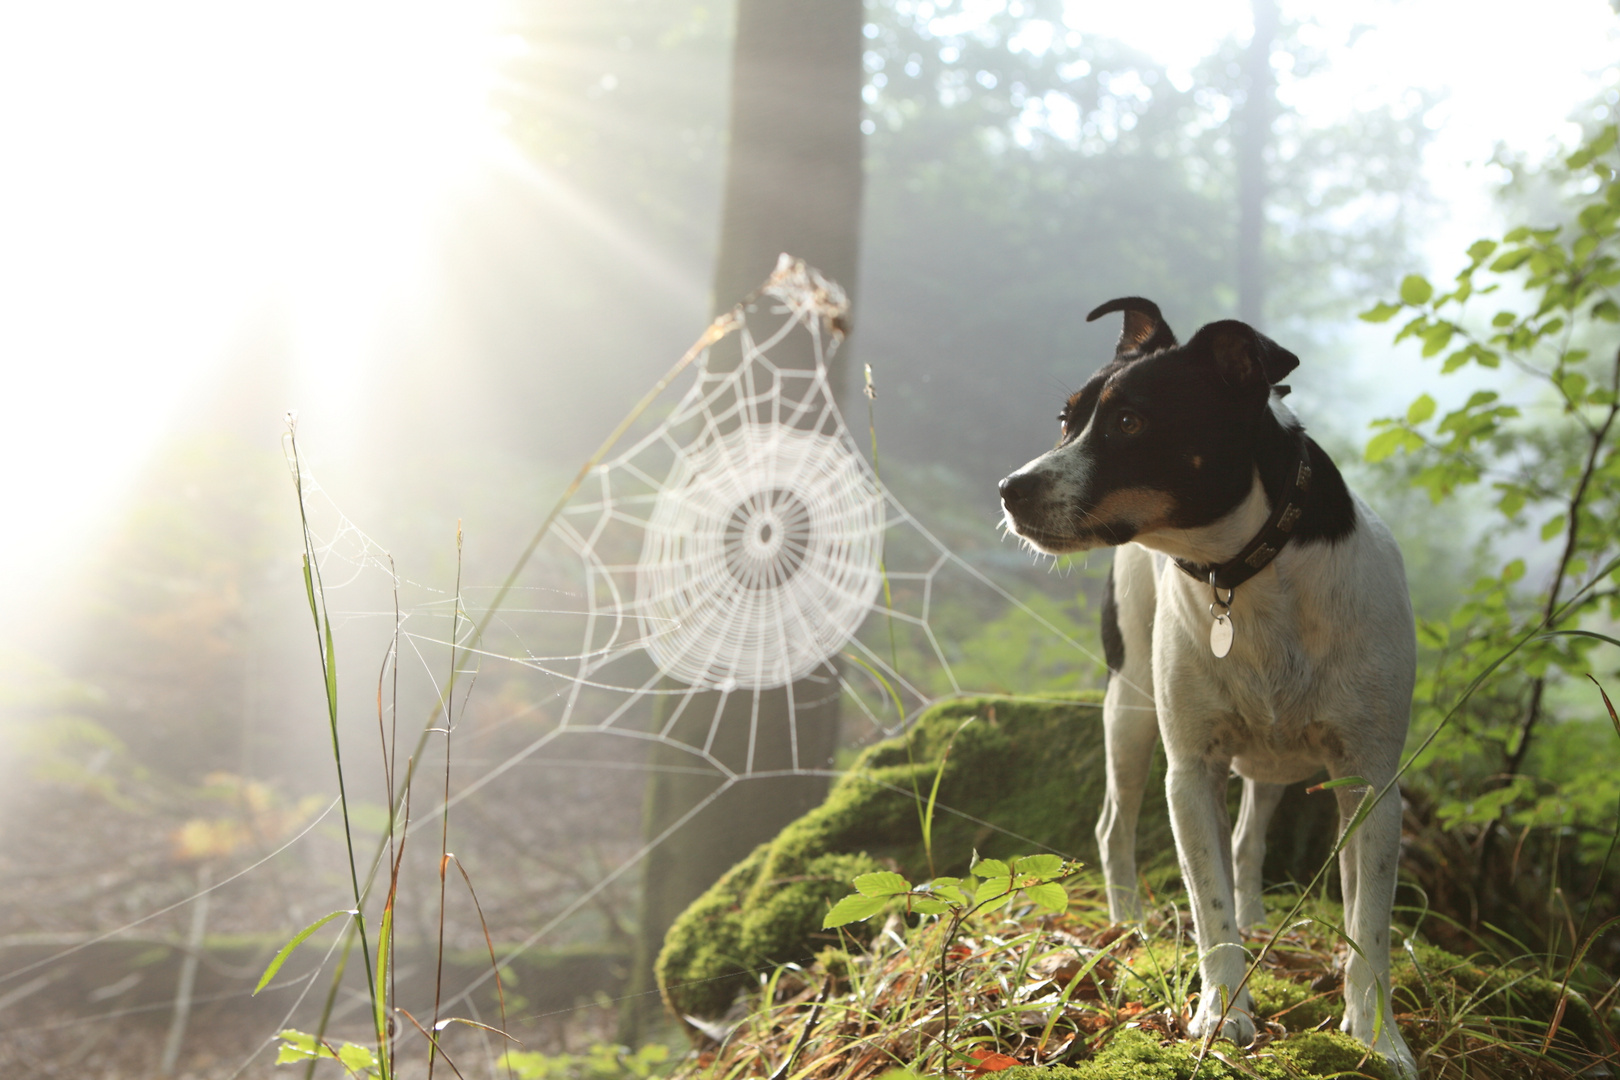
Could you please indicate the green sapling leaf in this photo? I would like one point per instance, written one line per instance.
(1415, 289)
(997, 902)
(1044, 866)
(991, 868)
(882, 883)
(1380, 312)
(1048, 896)
(854, 908)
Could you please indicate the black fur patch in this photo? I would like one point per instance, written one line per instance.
(1330, 512)
(1113, 642)
(1171, 438)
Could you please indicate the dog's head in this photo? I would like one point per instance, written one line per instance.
(1162, 436)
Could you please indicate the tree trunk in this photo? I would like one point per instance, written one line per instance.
(1254, 121)
(793, 184)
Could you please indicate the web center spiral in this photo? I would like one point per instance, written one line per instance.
(767, 538)
(761, 557)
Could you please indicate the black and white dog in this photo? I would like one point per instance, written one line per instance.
(1256, 618)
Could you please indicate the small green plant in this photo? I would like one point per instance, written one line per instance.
(990, 886)
(298, 1046)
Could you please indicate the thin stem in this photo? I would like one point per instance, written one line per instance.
(316, 591)
(444, 820)
(883, 570)
(1572, 536)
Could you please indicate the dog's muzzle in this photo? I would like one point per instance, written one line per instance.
(1023, 491)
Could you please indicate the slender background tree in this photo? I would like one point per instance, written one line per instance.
(793, 184)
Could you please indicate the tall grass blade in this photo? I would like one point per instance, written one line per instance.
(297, 940)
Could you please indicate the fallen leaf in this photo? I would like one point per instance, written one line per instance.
(990, 1061)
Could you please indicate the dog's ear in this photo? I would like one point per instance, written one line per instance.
(1243, 354)
(1145, 330)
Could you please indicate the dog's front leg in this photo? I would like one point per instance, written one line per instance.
(1197, 794)
(1368, 867)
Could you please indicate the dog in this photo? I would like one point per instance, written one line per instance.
(1256, 619)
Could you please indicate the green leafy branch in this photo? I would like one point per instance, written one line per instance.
(1545, 442)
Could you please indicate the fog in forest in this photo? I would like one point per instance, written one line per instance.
(459, 243)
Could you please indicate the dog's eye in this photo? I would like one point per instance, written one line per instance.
(1130, 423)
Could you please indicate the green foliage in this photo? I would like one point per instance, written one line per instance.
(1538, 431)
(298, 1046)
(603, 1061)
(992, 885)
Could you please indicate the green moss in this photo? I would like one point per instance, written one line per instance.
(1137, 1055)
(1330, 1053)
(1021, 776)
(703, 949)
(1293, 1004)
(1514, 997)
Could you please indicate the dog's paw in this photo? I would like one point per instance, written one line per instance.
(1389, 1043)
(1397, 1053)
(1238, 1026)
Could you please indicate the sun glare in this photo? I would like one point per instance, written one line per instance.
(172, 170)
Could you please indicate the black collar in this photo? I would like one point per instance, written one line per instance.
(1270, 540)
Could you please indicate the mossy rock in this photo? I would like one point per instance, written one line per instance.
(1020, 776)
(1137, 1055)
(1514, 997)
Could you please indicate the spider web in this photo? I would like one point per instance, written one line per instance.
(746, 543)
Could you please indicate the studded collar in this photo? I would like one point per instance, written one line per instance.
(1270, 540)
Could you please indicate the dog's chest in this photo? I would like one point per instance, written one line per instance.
(1270, 695)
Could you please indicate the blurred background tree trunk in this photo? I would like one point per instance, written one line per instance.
(1254, 122)
(793, 184)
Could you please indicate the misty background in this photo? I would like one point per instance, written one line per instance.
(459, 241)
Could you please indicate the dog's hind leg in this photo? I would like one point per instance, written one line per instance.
(1249, 847)
(1130, 729)
(1130, 723)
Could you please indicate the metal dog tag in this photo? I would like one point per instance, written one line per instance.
(1220, 635)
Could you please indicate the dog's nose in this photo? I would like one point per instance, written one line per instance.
(1020, 488)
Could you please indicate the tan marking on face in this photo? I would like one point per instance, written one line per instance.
(1198, 461)
(1144, 508)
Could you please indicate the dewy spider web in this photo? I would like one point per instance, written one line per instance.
(739, 544)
